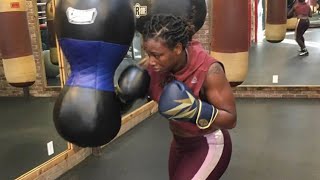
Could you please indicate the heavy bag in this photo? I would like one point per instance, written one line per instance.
(230, 38)
(94, 36)
(15, 44)
(276, 22)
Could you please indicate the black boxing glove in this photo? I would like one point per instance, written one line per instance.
(133, 83)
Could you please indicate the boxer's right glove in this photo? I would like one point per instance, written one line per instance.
(178, 103)
(133, 83)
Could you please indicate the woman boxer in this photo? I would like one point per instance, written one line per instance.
(197, 152)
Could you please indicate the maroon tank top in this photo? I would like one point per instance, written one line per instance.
(302, 9)
(193, 75)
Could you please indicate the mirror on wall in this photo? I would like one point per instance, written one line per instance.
(278, 64)
(27, 131)
(48, 43)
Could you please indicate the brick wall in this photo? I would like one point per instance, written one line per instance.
(203, 35)
(38, 88)
(277, 92)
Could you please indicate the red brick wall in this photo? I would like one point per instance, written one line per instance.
(37, 89)
(203, 35)
(277, 92)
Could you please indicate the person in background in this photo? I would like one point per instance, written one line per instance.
(302, 11)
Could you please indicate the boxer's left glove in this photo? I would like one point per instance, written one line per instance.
(133, 83)
(178, 103)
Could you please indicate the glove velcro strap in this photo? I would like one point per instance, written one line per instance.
(206, 115)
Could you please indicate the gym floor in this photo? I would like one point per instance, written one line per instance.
(26, 128)
(274, 139)
(281, 59)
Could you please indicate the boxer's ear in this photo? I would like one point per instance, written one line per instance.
(178, 49)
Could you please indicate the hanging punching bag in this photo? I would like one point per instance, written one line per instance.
(276, 22)
(51, 33)
(94, 36)
(230, 38)
(15, 44)
(195, 10)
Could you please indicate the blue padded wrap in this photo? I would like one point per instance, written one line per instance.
(93, 63)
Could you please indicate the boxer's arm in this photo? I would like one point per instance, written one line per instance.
(219, 93)
(291, 12)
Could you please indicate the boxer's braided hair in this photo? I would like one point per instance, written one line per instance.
(170, 28)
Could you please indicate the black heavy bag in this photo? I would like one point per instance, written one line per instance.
(194, 10)
(94, 35)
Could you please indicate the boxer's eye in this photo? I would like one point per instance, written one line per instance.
(157, 56)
